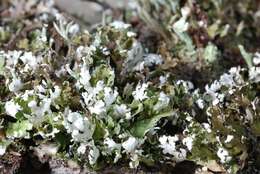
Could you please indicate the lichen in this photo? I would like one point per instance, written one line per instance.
(105, 97)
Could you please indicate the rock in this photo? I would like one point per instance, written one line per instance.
(90, 12)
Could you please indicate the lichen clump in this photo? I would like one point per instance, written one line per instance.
(104, 97)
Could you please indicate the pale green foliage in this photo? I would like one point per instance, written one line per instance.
(105, 98)
(247, 56)
(211, 53)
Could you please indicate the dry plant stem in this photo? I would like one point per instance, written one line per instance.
(21, 33)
